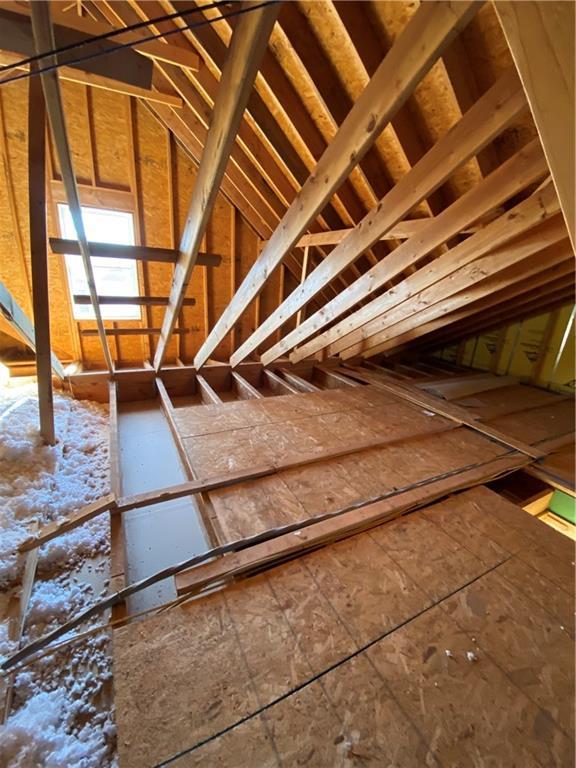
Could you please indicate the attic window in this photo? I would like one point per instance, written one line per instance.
(113, 277)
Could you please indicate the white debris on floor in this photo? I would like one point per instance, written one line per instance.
(61, 705)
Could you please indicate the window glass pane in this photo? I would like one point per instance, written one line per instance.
(113, 277)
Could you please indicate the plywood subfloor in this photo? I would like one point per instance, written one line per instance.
(239, 436)
(357, 654)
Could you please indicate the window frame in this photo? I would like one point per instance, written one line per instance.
(110, 312)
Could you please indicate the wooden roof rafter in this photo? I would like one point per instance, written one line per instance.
(378, 103)
(521, 218)
(485, 120)
(559, 295)
(550, 273)
(485, 276)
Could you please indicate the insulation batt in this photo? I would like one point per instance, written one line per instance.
(61, 714)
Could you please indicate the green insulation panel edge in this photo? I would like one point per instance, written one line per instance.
(564, 506)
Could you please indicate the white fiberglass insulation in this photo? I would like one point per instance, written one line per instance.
(61, 711)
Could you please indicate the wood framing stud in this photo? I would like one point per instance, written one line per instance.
(39, 256)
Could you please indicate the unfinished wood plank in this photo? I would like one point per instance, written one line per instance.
(23, 328)
(44, 41)
(209, 395)
(503, 269)
(130, 331)
(144, 301)
(426, 681)
(202, 500)
(297, 381)
(118, 564)
(248, 44)
(445, 410)
(487, 118)
(278, 385)
(138, 252)
(460, 478)
(39, 256)
(541, 40)
(415, 50)
(337, 526)
(50, 531)
(400, 231)
(332, 379)
(215, 482)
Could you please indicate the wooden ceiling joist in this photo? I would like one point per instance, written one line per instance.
(512, 176)
(482, 123)
(414, 52)
(248, 44)
(44, 41)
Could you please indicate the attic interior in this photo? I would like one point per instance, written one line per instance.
(287, 460)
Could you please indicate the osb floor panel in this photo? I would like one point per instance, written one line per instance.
(560, 467)
(249, 433)
(356, 654)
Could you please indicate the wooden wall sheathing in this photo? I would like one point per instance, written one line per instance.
(108, 136)
(341, 655)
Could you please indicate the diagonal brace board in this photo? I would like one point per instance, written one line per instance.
(17, 318)
(44, 41)
(249, 42)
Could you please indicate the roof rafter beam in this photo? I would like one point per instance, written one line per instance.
(514, 175)
(44, 41)
(557, 297)
(385, 310)
(541, 38)
(550, 267)
(489, 116)
(414, 52)
(464, 285)
(157, 50)
(249, 41)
